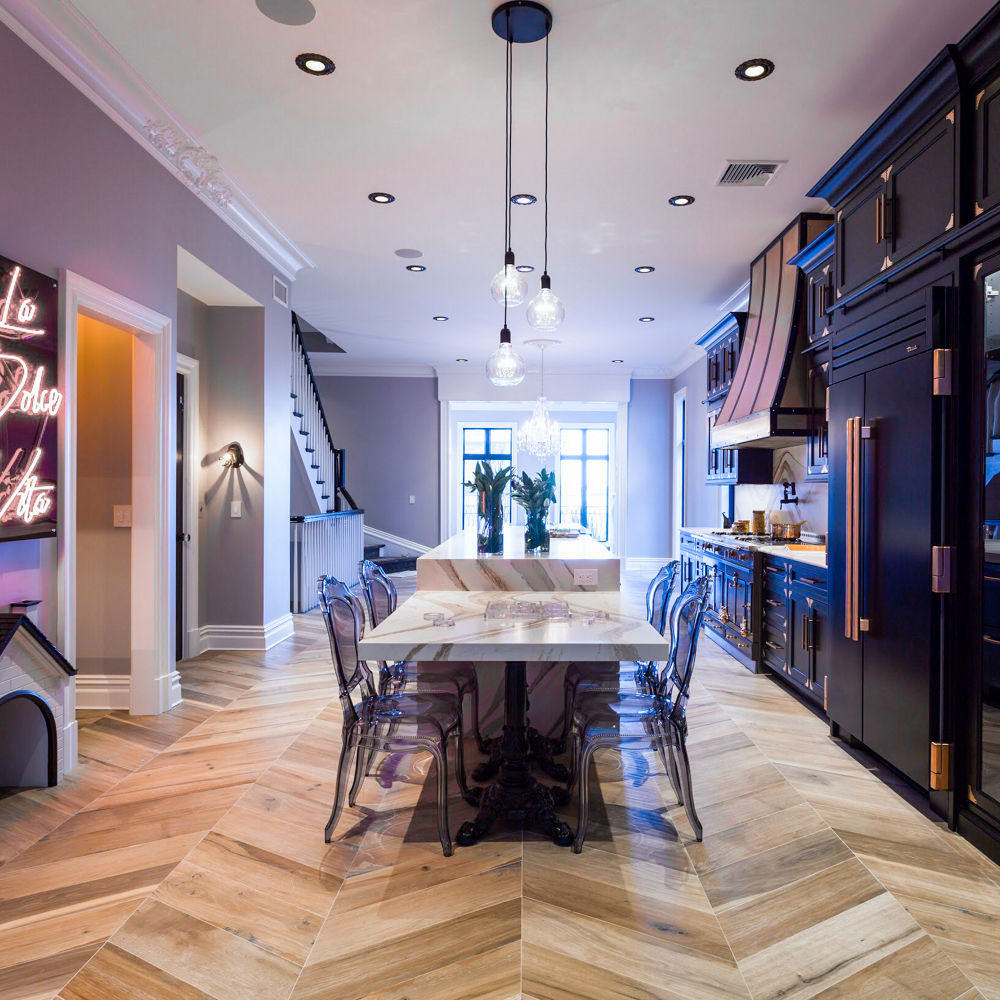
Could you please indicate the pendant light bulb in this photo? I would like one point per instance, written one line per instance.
(509, 286)
(506, 366)
(545, 311)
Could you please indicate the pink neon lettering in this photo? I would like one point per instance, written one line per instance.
(37, 400)
(25, 312)
(32, 499)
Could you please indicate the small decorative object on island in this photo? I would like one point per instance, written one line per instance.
(490, 486)
(535, 495)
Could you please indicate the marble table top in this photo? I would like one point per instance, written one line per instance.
(456, 565)
(406, 635)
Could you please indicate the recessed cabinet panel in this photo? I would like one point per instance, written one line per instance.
(987, 148)
(860, 249)
(920, 198)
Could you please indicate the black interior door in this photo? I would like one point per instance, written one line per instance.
(179, 565)
(899, 654)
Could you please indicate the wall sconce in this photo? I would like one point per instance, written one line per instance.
(232, 456)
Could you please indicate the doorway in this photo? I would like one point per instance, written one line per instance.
(151, 682)
(186, 604)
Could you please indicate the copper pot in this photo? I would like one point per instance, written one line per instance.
(787, 531)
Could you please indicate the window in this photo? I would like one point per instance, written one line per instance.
(483, 444)
(584, 473)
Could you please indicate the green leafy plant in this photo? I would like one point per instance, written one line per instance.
(535, 495)
(490, 486)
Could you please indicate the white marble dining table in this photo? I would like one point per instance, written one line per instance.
(602, 626)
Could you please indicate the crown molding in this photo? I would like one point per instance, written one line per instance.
(738, 301)
(69, 43)
(329, 364)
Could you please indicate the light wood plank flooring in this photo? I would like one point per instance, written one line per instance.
(184, 859)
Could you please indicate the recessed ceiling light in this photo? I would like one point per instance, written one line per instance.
(408, 253)
(754, 69)
(645, 269)
(646, 319)
(617, 361)
(462, 361)
(523, 199)
(381, 197)
(314, 64)
(680, 200)
(440, 319)
(524, 268)
(415, 267)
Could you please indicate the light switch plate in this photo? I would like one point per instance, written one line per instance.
(585, 578)
(122, 517)
(413, 499)
(235, 508)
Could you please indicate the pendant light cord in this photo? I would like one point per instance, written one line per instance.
(545, 265)
(508, 144)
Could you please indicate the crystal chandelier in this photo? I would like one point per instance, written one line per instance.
(539, 435)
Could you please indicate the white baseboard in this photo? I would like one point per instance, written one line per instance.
(250, 637)
(171, 690)
(192, 643)
(646, 564)
(403, 543)
(111, 691)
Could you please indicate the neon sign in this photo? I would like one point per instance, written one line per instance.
(29, 402)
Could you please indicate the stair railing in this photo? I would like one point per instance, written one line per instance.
(328, 465)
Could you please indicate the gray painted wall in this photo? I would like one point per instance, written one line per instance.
(88, 198)
(391, 430)
(701, 502)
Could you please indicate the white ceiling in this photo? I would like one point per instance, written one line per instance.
(644, 105)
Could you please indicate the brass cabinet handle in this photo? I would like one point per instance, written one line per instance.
(772, 602)
(992, 642)
(853, 625)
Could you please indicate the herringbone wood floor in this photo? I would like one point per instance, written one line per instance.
(185, 859)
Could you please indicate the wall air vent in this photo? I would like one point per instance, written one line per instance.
(749, 173)
(280, 291)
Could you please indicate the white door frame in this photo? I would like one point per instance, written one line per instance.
(189, 368)
(154, 682)
(678, 441)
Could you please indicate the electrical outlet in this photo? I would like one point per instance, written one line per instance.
(585, 578)
(413, 499)
(122, 517)
(235, 508)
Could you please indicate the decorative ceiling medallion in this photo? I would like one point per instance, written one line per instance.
(198, 168)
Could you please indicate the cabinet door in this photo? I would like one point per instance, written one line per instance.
(817, 443)
(820, 655)
(797, 632)
(921, 197)
(819, 301)
(987, 147)
(860, 248)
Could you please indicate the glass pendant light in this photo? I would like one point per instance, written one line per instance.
(545, 311)
(509, 286)
(506, 366)
(539, 435)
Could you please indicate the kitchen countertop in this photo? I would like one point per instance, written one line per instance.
(455, 564)
(810, 558)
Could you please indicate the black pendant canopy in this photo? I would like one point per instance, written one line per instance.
(522, 21)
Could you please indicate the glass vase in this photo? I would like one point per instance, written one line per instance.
(536, 533)
(489, 534)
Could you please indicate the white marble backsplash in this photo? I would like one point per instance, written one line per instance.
(790, 464)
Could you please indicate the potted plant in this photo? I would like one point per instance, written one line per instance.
(490, 486)
(535, 495)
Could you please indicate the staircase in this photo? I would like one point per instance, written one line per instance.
(325, 464)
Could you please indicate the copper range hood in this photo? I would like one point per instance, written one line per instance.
(766, 403)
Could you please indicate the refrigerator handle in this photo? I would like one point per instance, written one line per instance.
(855, 537)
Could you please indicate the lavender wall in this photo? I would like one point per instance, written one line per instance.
(650, 414)
(391, 430)
(701, 502)
(83, 195)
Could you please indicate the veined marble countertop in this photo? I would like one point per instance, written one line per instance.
(406, 635)
(456, 565)
(812, 558)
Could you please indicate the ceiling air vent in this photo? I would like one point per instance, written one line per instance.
(749, 173)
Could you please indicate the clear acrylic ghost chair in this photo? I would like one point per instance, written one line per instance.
(639, 722)
(643, 678)
(392, 722)
(381, 597)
